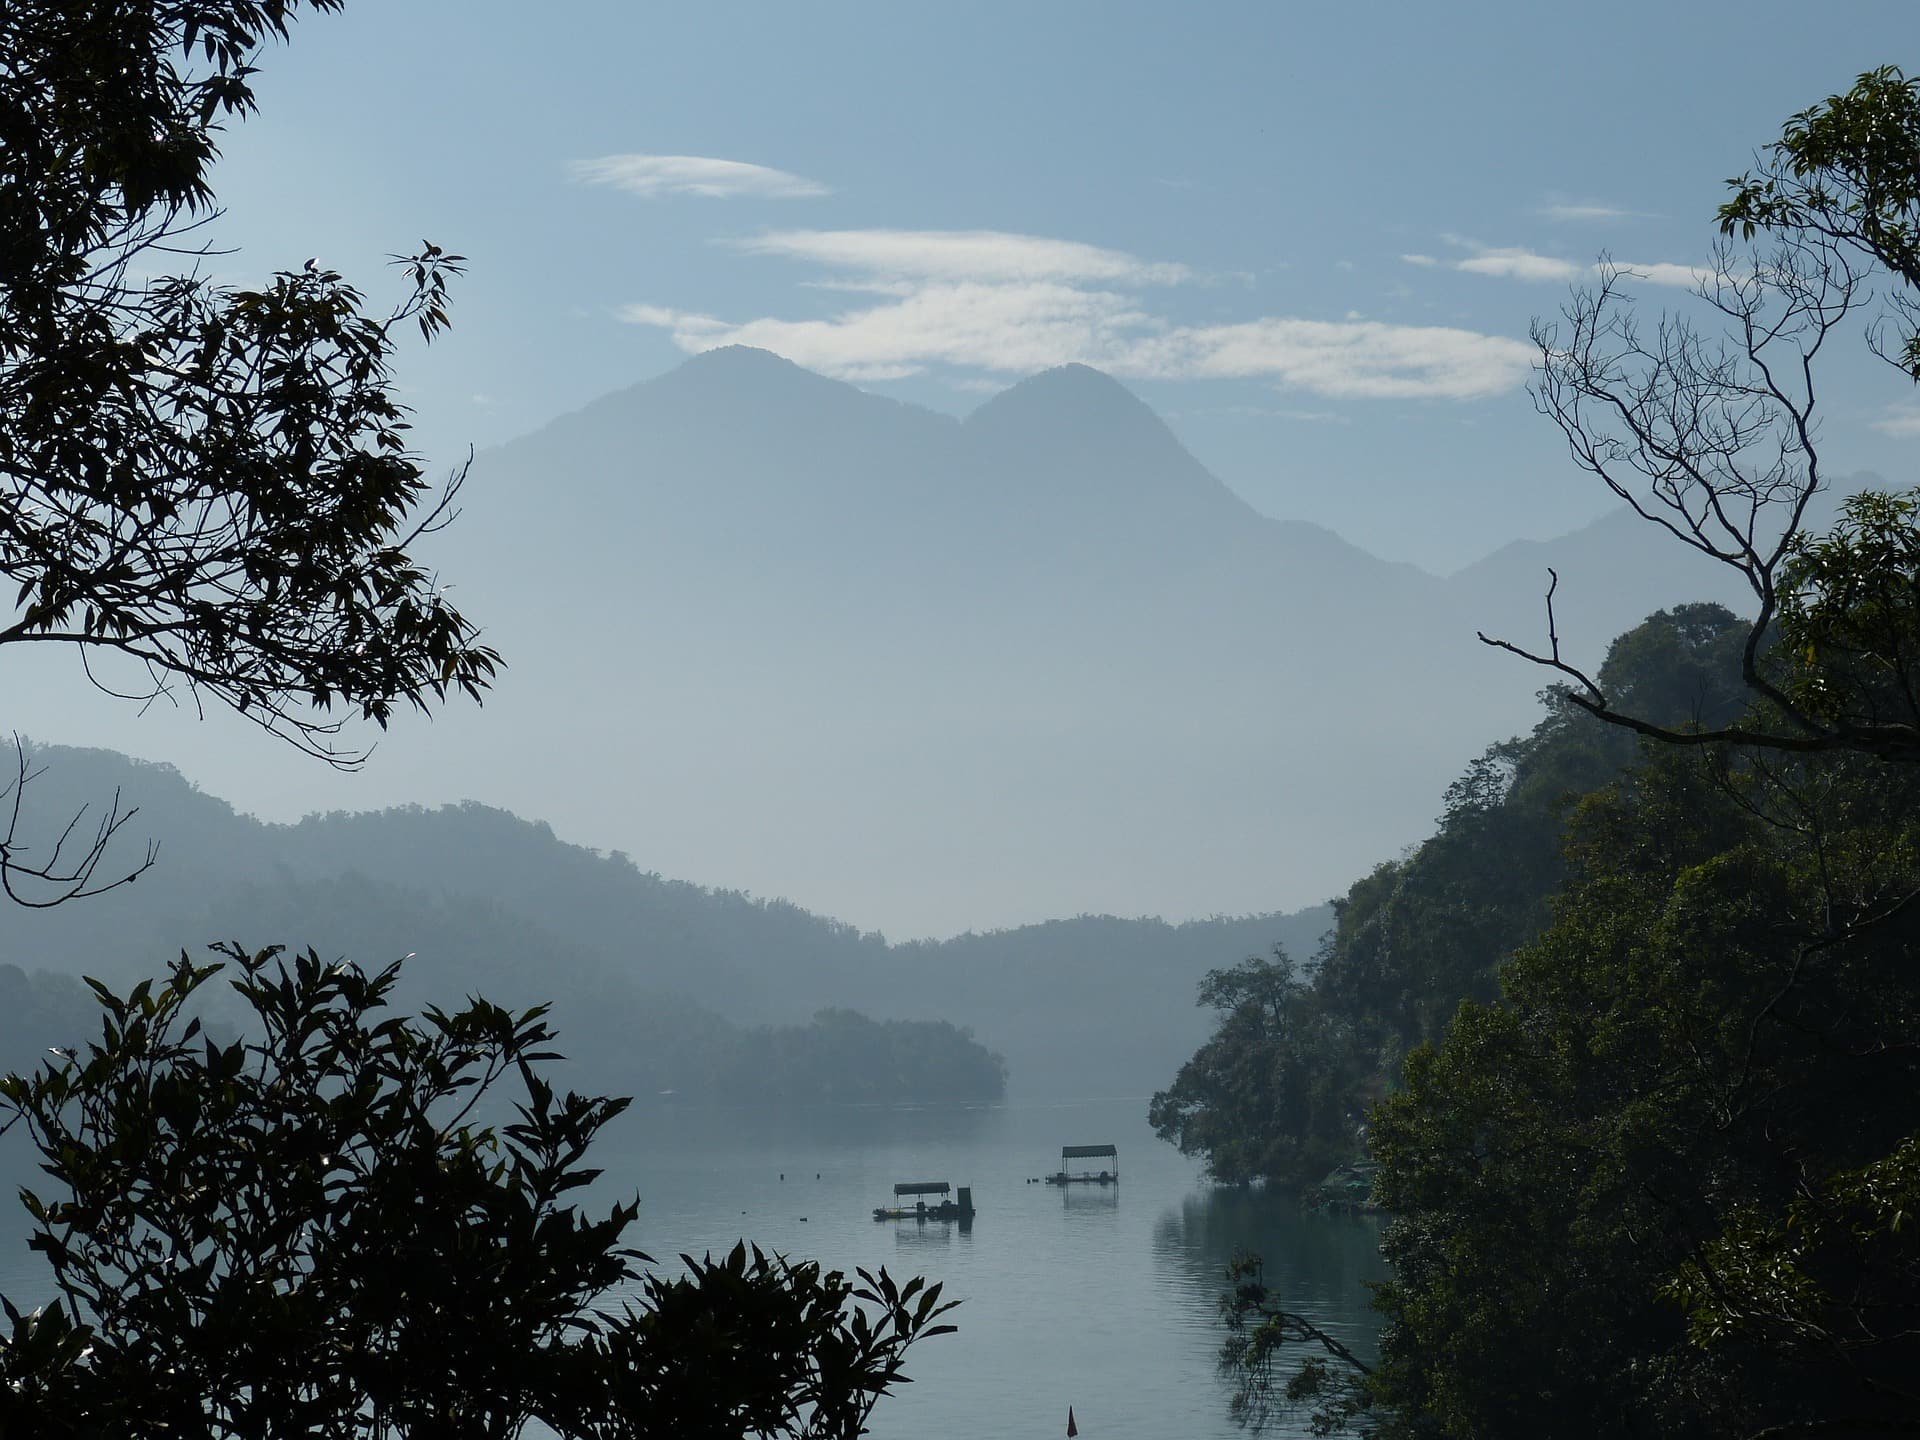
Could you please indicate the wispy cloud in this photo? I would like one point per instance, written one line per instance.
(1901, 420)
(1511, 262)
(1014, 325)
(655, 175)
(1514, 262)
(1683, 277)
(963, 255)
(1579, 212)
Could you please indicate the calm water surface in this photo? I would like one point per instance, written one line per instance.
(1099, 1298)
(1102, 1298)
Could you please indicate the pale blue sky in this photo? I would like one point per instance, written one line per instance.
(1265, 167)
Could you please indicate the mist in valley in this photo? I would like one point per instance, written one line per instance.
(1236, 688)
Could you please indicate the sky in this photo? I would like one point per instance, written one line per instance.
(1313, 238)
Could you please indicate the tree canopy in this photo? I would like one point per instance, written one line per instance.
(323, 1226)
(313, 1229)
(1658, 1178)
(204, 490)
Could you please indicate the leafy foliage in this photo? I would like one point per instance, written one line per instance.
(1259, 1356)
(1281, 1090)
(1717, 1027)
(1665, 1183)
(1267, 1096)
(211, 483)
(1847, 171)
(310, 1232)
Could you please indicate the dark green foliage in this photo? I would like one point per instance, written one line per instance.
(210, 483)
(309, 1231)
(1660, 1181)
(1709, 1052)
(1269, 1096)
(1847, 172)
(1663, 1185)
(1281, 1090)
(1851, 622)
(844, 1057)
(1423, 933)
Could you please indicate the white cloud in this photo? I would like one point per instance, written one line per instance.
(654, 175)
(1514, 263)
(1685, 277)
(1902, 421)
(1347, 358)
(961, 255)
(991, 303)
(1016, 329)
(1579, 211)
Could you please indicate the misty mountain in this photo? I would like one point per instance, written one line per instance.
(930, 673)
(652, 980)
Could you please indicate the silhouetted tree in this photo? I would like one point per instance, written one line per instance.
(310, 1231)
(1711, 434)
(206, 490)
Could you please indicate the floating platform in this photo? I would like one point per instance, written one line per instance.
(950, 1206)
(1067, 1176)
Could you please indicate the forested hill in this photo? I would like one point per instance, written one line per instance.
(651, 978)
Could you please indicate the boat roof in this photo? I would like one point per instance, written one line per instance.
(1082, 1152)
(922, 1187)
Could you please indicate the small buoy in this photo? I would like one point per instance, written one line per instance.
(803, 1219)
(783, 1174)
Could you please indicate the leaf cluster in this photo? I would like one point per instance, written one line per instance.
(309, 1230)
(210, 484)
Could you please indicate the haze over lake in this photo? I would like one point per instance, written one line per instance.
(928, 675)
(1100, 1298)
(635, 634)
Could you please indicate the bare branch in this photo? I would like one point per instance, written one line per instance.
(63, 873)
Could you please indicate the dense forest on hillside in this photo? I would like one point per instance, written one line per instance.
(656, 984)
(654, 1045)
(1281, 1091)
(1638, 1025)
(1629, 1040)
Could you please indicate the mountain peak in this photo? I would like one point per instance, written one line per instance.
(1070, 389)
(1099, 447)
(744, 368)
(738, 359)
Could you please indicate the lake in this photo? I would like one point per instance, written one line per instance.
(1099, 1297)
(1102, 1298)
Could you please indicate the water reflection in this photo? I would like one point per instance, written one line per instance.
(917, 1237)
(1315, 1263)
(1086, 1198)
(1084, 1299)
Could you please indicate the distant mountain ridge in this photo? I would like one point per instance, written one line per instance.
(937, 674)
(641, 970)
(1039, 659)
